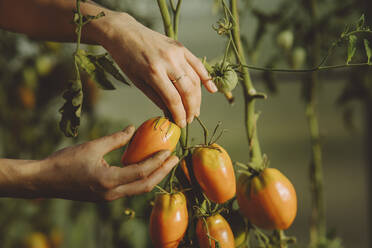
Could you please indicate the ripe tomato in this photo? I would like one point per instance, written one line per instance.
(185, 170)
(218, 228)
(168, 221)
(152, 136)
(268, 200)
(214, 172)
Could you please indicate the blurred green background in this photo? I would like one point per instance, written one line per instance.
(282, 129)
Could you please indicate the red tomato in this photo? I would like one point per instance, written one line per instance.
(218, 228)
(214, 172)
(152, 136)
(168, 221)
(268, 200)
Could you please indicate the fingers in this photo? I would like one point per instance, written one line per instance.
(170, 96)
(117, 175)
(144, 185)
(188, 86)
(114, 141)
(199, 68)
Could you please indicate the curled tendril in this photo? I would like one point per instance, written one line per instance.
(223, 26)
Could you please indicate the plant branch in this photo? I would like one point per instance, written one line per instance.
(168, 27)
(250, 115)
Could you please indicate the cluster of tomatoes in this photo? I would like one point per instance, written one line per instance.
(265, 197)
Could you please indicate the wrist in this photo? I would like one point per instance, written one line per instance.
(104, 30)
(115, 29)
(17, 178)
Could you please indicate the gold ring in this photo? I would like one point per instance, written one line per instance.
(177, 79)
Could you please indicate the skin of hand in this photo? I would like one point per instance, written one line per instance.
(167, 72)
(81, 173)
(163, 69)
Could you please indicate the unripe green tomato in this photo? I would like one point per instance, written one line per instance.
(227, 82)
(285, 39)
(298, 57)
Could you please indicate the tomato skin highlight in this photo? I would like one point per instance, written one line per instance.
(268, 200)
(218, 228)
(168, 221)
(214, 172)
(152, 136)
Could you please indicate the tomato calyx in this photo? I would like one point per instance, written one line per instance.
(253, 169)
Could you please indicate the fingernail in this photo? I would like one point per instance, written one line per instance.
(128, 129)
(212, 86)
(183, 123)
(190, 119)
(175, 160)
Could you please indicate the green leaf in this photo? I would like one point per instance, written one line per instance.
(90, 65)
(368, 50)
(71, 109)
(76, 17)
(109, 66)
(351, 49)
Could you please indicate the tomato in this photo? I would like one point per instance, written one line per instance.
(185, 170)
(37, 240)
(152, 136)
(26, 97)
(214, 172)
(168, 221)
(218, 228)
(268, 200)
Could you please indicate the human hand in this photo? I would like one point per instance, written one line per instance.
(167, 72)
(80, 172)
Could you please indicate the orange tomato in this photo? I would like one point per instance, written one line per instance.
(268, 200)
(214, 172)
(218, 229)
(168, 221)
(26, 97)
(185, 170)
(152, 136)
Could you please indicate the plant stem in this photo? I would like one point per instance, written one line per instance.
(168, 27)
(249, 90)
(318, 218)
(318, 68)
(176, 18)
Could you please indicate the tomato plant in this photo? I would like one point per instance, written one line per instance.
(214, 172)
(169, 219)
(153, 135)
(214, 228)
(268, 199)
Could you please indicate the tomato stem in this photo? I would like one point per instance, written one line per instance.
(205, 130)
(318, 219)
(248, 88)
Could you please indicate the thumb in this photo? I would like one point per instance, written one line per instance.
(114, 141)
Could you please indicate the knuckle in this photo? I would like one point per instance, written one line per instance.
(140, 171)
(104, 183)
(108, 197)
(154, 69)
(188, 93)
